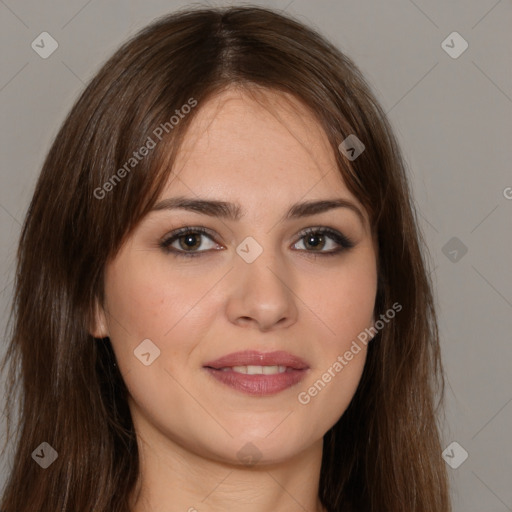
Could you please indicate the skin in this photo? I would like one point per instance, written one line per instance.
(264, 154)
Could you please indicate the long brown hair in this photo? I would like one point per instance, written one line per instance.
(384, 453)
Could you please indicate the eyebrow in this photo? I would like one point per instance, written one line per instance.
(234, 212)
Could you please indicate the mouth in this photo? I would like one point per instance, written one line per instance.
(258, 373)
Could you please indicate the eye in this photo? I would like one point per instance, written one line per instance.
(188, 241)
(321, 238)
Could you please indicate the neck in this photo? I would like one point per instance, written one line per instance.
(172, 477)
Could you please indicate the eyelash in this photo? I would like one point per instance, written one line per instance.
(343, 241)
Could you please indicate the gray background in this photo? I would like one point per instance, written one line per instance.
(453, 118)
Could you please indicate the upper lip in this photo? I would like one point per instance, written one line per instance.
(256, 358)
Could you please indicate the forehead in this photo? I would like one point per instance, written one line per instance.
(256, 147)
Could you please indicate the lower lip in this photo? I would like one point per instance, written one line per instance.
(258, 385)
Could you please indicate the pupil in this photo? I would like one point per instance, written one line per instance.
(311, 240)
(189, 241)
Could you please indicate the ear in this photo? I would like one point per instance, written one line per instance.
(99, 329)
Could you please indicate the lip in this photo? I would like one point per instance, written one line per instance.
(256, 358)
(259, 384)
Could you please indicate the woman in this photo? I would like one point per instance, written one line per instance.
(221, 299)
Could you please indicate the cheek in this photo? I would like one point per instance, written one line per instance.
(148, 300)
(344, 301)
(345, 308)
(151, 302)
(353, 309)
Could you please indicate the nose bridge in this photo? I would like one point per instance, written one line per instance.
(262, 288)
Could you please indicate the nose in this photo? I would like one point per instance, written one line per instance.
(261, 293)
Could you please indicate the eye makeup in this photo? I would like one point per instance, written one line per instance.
(319, 234)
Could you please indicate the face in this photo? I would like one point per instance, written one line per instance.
(286, 286)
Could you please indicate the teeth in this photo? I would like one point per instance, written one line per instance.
(257, 370)
(270, 370)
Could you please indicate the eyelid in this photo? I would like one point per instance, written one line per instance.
(169, 238)
(339, 237)
(188, 229)
(343, 241)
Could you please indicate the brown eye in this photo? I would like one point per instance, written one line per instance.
(190, 241)
(187, 241)
(314, 241)
(317, 239)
